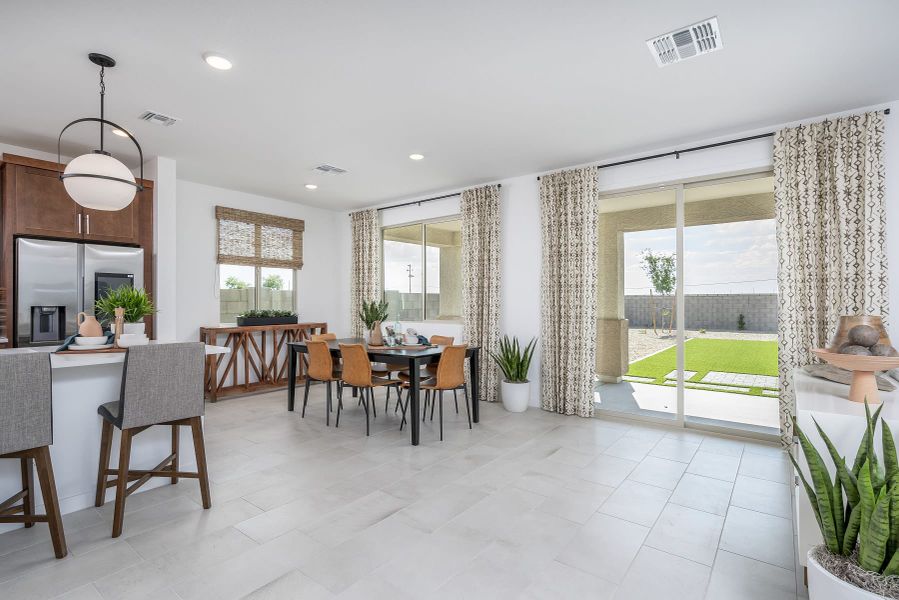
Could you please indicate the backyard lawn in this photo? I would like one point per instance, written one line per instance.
(751, 357)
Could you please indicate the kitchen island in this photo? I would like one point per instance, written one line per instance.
(81, 383)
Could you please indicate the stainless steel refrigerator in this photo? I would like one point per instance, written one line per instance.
(57, 280)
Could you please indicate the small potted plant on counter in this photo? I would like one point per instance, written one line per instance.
(267, 317)
(372, 314)
(514, 362)
(135, 301)
(858, 514)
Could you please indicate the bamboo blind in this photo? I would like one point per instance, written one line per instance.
(259, 240)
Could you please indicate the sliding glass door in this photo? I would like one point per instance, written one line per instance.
(686, 328)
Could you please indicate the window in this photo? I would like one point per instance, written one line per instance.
(423, 270)
(258, 257)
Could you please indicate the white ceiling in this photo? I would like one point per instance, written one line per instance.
(485, 89)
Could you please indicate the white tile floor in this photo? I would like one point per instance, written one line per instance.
(532, 505)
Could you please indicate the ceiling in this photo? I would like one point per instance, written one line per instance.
(485, 89)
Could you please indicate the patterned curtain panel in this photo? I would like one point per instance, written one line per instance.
(829, 206)
(568, 214)
(365, 268)
(481, 279)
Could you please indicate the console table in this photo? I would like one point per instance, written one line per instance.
(258, 358)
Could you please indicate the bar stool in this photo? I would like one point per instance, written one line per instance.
(161, 385)
(358, 374)
(26, 432)
(450, 376)
(321, 368)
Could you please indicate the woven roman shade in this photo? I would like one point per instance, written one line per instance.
(259, 240)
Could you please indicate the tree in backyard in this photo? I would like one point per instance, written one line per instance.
(233, 283)
(661, 269)
(273, 282)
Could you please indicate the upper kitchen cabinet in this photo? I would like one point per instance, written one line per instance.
(37, 204)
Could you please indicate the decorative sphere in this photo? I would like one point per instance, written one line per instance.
(855, 350)
(883, 350)
(96, 193)
(864, 335)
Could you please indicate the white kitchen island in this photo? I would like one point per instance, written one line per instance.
(81, 383)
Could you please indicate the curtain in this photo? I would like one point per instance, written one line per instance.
(258, 240)
(568, 215)
(831, 226)
(481, 279)
(365, 268)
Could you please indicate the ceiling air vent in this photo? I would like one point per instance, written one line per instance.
(686, 42)
(329, 169)
(158, 118)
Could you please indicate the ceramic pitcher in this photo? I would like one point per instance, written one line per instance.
(89, 326)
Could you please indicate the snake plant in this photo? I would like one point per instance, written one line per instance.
(514, 361)
(859, 508)
(372, 312)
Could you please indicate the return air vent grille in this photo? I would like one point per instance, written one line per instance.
(329, 169)
(158, 118)
(686, 42)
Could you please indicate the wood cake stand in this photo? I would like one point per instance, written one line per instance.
(864, 384)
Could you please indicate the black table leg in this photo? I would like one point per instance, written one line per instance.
(291, 377)
(475, 386)
(414, 422)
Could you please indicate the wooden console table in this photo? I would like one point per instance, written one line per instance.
(263, 351)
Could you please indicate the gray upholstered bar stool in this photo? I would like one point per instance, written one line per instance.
(161, 385)
(26, 432)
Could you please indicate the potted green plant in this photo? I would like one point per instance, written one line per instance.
(514, 361)
(372, 314)
(135, 301)
(267, 316)
(858, 513)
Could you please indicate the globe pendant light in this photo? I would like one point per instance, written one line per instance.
(97, 180)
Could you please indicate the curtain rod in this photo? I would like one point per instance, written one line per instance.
(419, 202)
(677, 153)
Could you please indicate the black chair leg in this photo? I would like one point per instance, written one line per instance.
(387, 399)
(456, 401)
(365, 397)
(424, 411)
(440, 400)
(404, 406)
(433, 402)
(305, 398)
(328, 405)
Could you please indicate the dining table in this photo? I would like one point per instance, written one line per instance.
(416, 358)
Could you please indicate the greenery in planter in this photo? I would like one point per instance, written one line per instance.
(858, 510)
(514, 361)
(372, 312)
(265, 313)
(136, 302)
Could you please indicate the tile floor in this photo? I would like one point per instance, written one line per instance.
(531, 505)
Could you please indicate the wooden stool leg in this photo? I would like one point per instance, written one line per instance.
(51, 502)
(175, 439)
(28, 486)
(121, 483)
(105, 449)
(196, 426)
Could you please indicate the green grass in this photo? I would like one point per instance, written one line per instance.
(703, 355)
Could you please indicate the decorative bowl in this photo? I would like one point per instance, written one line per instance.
(864, 384)
(82, 340)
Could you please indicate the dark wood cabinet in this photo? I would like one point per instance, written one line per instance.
(42, 206)
(120, 226)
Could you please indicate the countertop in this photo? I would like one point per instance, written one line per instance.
(63, 361)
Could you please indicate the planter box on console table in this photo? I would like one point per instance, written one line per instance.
(256, 321)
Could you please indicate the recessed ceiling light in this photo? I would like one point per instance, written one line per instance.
(217, 61)
(119, 132)
(311, 186)
(416, 156)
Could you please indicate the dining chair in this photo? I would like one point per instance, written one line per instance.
(26, 433)
(161, 385)
(357, 372)
(430, 370)
(450, 375)
(323, 337)
(321, 367)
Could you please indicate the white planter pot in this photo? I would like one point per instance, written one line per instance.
(823, 585)
(515, 396)
(134, 328)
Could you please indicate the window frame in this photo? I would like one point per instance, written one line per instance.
(257, 284)
(422, 223)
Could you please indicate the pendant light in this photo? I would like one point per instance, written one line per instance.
(97, 180)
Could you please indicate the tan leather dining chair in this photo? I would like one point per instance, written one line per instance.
(450, 376)
(430, 370)
(321, 368)
(357, 373)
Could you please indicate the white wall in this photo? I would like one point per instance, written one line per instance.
(197, 291)
(520, 311)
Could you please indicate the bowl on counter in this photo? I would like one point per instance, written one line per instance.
(82, 340)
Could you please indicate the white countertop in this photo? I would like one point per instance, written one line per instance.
(62, 361)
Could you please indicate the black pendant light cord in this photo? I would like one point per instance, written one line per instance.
(102, 107)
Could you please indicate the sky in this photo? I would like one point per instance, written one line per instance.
(729, 258)
(399, 254)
